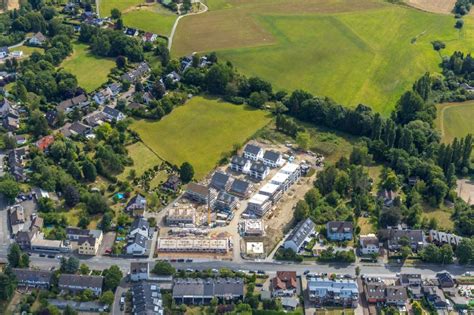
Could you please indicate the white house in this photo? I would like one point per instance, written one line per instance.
(139, 271)
(137, 246)
(369, 244)
(253, 152)
(300, 234)
(273, 159)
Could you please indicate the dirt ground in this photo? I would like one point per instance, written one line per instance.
(465, 190)
(435, 6)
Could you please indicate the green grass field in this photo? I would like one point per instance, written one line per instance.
(200, 132)
(367, 51)
(455, 120)
(143, 159)
(107, 5)
(91, 71)
(155, 19)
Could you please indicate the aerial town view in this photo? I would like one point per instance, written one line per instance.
(246, 157)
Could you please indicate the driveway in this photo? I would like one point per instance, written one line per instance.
(123, 287)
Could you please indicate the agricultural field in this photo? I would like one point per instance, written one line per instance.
(352, 51)
(91, 71)
(436, 6)
(200, 132)
(105, 6)
(155, 19)
(455, 120)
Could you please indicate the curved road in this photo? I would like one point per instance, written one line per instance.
(173, 30)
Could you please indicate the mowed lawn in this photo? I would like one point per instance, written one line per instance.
(107, 5)
(200, 132)
(455, 120)
(155, 19)
(91, 71)
(363, 51)
(143, 159)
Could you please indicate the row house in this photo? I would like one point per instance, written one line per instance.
(79, 283)
(339, 230)
(322, 291)
(300, 235)
(33, 278)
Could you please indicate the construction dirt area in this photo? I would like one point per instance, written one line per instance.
(435, 6)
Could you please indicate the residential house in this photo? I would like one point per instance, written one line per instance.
(88, 246)
(289, 303)
(339, 230)
(88, 241)
(300, 235)
(396, 295)
(149, 37)
(441, 238)
(253, 152)
(435, 296)
(52, 118)
(272, 159)
(131, 31)
(174, 77)
(445, 279)
(221, 181)
(259, 204)
(4, 51)
(137, 245)
(375, 292)
(172, 183)
(69, 105)
(369, 244)
(284, 284)
(139, 271)
(146, 299)
(17, 215)
(11, 123)
(388, 197)
(24, 238)
(37, 39)
(10, 116)
(240, 164)
(259, 171)
(74, 233)
(137, 73)
(140, 226)
(75, 129)
(102, 96)
(181, 216)
(33, 278)
(136, 206)
(16, 54)
(113, 114)
(200, 193)
(44, 143)
(225, 202)
(19, 139)
(79, 283)
(412, 282)
(271, 190)
(415, 238)
(322, 291)
(240, 188)
(95, 119)
(16, 161)
(202, 291)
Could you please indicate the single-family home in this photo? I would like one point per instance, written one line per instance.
(113, 114)
(273, 159)
(225, 202)
(435, 296)
(259, 171)
(300, 235)
(375, 292)
(369, 244)
(88, 245)
(172, 183)
(445, 279)
(52, 118)
(253, 152)
(221, 181)
(388, 197)
(140, 226)
(149, 37)
(200, 193)
(137, 245)
(415, 238)
(33, 278)
(79, 283)
(284, 284)
(396, 295)
(240, 164)
(44, 143)
(4, 51)
(37, 39)
(69, 105)
(339, 230)
(136, 206)
(131, 31)
(139, 271)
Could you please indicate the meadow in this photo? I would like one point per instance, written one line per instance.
(91, 71)
(455, 120)
(143, 159)
(365, 51)
(155, 19)
(200, 132)
(105, 6)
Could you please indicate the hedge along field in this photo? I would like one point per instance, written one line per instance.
(455, 120)
(155, 19)
(91, 71)
(355, 52)
(200, 132)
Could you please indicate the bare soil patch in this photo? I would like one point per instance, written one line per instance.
(435, 6)
(465, 190)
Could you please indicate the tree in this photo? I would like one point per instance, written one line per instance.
(24, 261)
(112, 277)
(258, 99)
(84, 269)
(14, 256)
(115, 13)
(186, 172)
(89, 171)
(9, 188)
(121, 62)
(301, 211)
(107, 298)
(71, 196)
(69, 265)
(163, 268)
(416, 308)
(7, 286)
(303, 140)
(38, 124)
(9, 141)
(96, 203)
(465, 251)
(69, 311)
(405, 251)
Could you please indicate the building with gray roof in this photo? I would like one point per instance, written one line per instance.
(240, 188)
(33, 278)
(322, 291)
(220, 181)
(202, 291)
(299, 235)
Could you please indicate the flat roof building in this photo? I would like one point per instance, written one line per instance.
(192, 244)
(253, 227)
(177, 216)
(259, 204)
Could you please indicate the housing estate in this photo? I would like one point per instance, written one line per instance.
(202, 291)
(300, 235)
